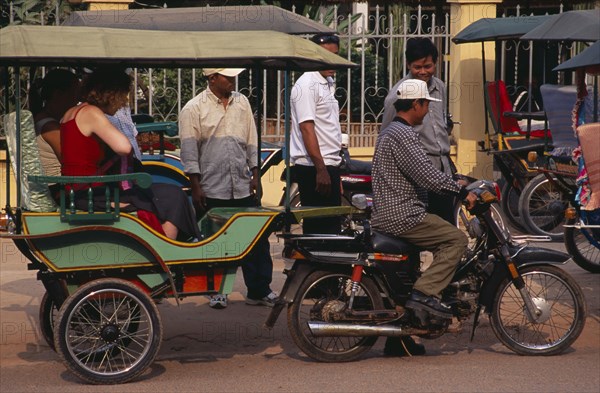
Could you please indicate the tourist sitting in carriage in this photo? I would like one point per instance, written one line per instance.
(92, 146)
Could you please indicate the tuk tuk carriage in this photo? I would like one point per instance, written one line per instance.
(103, 271)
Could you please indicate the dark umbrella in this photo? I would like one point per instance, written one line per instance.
(568, 26)
(587, 58)
(492, 29)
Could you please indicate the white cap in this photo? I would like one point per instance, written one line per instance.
(414, 89)
(223, 71)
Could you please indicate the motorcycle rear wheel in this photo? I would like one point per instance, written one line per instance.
(561, 302)
(322, 294)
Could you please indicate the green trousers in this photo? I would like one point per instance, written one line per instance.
(446, 242)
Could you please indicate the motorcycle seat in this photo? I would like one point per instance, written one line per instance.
(389, 244)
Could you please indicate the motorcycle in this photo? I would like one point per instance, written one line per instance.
(343, 292)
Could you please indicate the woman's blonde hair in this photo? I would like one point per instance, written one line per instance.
(108, 88)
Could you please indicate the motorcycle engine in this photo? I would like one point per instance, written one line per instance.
(466, 294)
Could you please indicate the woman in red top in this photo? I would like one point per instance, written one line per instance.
(89, 145)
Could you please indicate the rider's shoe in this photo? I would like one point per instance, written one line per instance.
(218, 301)
(419, 301)
(403, 346)
(268, 300)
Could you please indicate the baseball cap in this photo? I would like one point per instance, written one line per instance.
(223, 71)
(414, 89)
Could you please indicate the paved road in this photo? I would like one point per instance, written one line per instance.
(228, 350)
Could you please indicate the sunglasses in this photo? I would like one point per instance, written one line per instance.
(327, 39)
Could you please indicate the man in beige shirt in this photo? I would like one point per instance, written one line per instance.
(219, 154)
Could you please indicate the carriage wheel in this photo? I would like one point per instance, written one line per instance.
(47, 317)
(510, 205)
(108, 331)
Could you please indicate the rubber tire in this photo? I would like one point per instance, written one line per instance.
(61, 333)
(576, 251)
(47, 319)
(304, 343)
(510, 206)
(564, 342)
(535, 189)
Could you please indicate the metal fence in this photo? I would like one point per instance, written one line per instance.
(376, 41)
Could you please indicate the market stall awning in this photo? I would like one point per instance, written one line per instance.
(231, 18)
(69, 45)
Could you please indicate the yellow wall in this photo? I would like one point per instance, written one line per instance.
(466, 87)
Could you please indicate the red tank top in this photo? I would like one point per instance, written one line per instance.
(81, 155)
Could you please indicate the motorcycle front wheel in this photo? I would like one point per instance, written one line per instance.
(323, 297)
(562, 312)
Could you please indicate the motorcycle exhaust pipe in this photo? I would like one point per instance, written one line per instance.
(324, 329)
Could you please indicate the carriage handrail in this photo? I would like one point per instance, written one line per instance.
(143, 180)
(112, 211)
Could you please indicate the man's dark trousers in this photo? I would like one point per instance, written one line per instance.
(306, 177)
(258, 268)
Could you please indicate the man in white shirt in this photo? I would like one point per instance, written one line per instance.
(219, 154)
(316, 141)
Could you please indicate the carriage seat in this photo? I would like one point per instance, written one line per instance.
(499, 105)
(35, 197)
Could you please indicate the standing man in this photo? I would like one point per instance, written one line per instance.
(421, 57)
(316, 141)
(402, 177)
(219, 154)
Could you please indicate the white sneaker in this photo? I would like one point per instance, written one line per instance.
(268, 300)
(218, 301)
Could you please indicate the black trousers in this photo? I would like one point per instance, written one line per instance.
(306, 177)
(258, 268)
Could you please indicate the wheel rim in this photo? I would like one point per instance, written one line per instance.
(546, 208)
(109, 332)
(555, 300)
(325, 300)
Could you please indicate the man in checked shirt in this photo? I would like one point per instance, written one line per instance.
(434, 131)
(402, 177)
